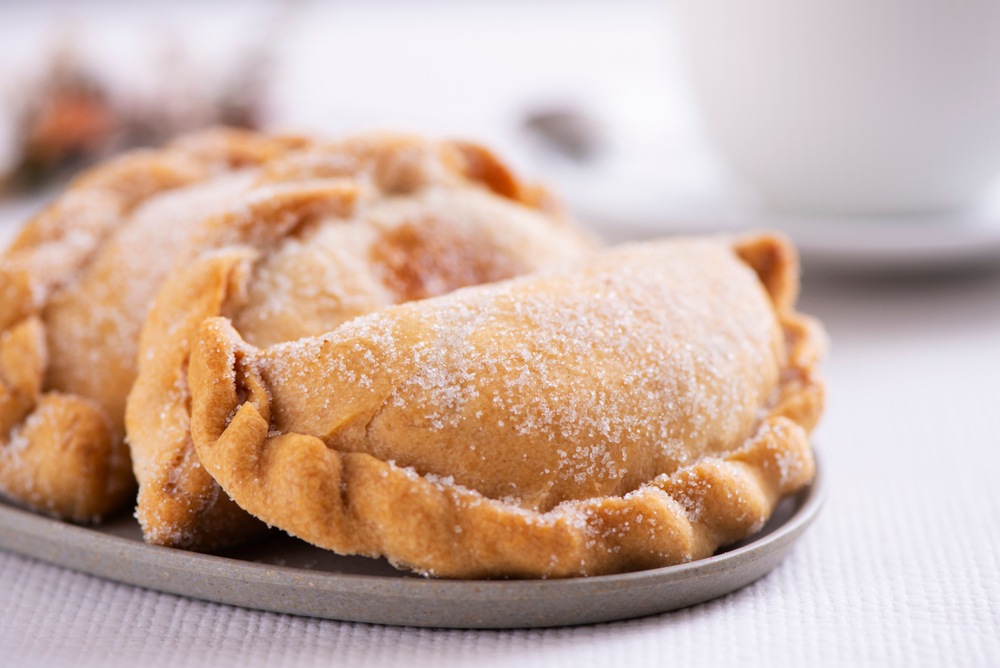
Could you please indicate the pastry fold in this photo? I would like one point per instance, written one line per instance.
(74, 288)
(402, 218)
(638, 410)
(77, 285)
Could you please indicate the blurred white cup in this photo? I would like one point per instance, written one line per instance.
(852, 106)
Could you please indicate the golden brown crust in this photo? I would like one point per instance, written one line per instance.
(70, 277)
(174, 486)
(629, 405)
(86, 269)
(775, 261)
(325, 234)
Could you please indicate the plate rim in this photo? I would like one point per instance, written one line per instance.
(54, 541)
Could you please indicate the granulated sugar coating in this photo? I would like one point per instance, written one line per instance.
(323, 235)
(81, 275)
(634, 411)
(289, 236)
(547, 389)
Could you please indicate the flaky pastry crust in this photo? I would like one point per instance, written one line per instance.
(405, 218)
(635, 411)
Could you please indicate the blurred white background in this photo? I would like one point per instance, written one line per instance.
(479, 70)
(469, 69)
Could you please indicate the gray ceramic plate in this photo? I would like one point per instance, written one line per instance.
(287, 575)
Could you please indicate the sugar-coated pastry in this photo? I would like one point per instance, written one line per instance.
(75, 287)
(639, 409)
(78, 283)
(403, 218)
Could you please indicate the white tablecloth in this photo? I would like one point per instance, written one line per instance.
(901, 568)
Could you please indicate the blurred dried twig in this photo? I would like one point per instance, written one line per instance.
(69, 118)
(68, 121)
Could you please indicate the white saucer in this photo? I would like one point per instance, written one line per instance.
(675, 183)
(841, 245)
(923, 244)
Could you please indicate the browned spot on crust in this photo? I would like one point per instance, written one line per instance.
(427, 258)
(479, 164)
(776, 262)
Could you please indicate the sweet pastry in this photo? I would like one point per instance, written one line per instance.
(405, 218)
(74, 289)
(636, 410)
(78, 283)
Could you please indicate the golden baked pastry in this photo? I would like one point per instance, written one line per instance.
(75, 286)
(405, 218)
(637, 410)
